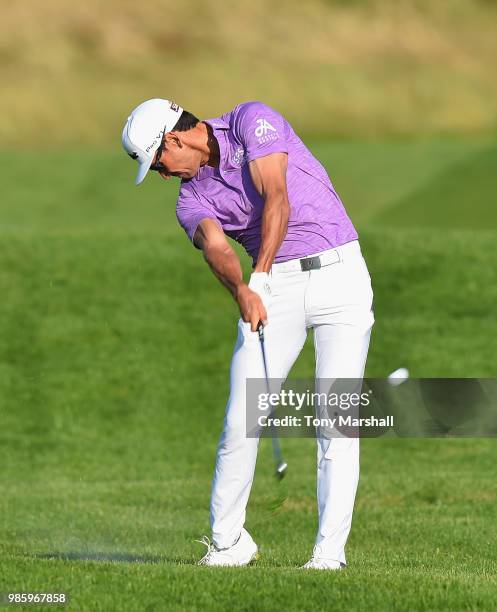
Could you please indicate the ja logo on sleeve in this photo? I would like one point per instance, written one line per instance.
(263, 127)
(265, 132)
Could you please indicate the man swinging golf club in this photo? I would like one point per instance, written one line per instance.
(248, 176)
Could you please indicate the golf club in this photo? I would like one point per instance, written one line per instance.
(281, 465)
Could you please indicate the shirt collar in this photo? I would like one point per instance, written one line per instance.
(219, 127)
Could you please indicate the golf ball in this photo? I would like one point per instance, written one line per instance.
(398, 376)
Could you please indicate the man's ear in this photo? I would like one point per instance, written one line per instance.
(173, 138)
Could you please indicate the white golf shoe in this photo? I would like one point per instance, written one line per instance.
(243, 551)
(318, 562)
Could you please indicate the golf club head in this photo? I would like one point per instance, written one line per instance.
(281, 470)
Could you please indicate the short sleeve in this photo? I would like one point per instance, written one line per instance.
(261, 130)
(190, 212)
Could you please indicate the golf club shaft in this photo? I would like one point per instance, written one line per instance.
(278, 458)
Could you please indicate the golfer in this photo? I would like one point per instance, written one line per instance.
(248, 176)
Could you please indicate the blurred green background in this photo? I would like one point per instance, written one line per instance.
(115, 339)
(360, 68)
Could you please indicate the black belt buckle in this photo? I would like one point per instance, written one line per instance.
(310, 263)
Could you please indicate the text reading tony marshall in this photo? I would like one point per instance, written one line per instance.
(353, 408)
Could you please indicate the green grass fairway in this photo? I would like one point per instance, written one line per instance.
(115, 342)
(461, 196)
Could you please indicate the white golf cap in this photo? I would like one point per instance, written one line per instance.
(144, 129)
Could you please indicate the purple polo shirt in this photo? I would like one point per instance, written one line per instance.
(318, 220)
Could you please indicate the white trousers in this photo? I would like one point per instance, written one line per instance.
(336, 302)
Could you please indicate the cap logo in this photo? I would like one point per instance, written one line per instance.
(133, 155)
(174, 107)
(158, 137)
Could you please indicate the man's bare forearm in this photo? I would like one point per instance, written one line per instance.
(274, 227)
(225, 264)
